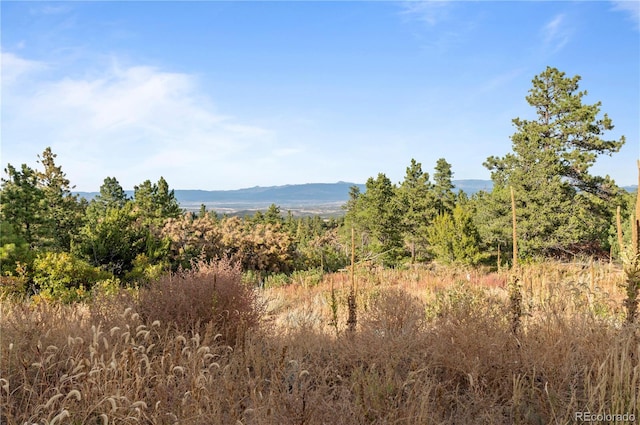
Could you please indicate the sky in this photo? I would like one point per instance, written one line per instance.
(225, 95)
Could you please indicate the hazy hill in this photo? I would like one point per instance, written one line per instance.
(310, 198)
(293, 194)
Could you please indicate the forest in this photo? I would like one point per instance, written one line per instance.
(391, 313)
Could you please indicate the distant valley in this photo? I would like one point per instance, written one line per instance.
(301, 199)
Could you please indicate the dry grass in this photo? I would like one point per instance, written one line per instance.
(432, 347)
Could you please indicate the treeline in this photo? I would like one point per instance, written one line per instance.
(60, 245)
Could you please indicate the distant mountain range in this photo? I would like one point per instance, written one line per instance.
(291, 194)
(310, 198)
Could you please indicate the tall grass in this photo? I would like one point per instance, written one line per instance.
(431, 347)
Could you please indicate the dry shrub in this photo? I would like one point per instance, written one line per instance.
(210, 294)
(393, 312)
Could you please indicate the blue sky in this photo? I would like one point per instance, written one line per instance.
(226, 95)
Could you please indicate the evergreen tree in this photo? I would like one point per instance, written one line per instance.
(22, 204)
(143, 197)
(165, 200)
(560, 205)
(257, 218)
(375, 214)
(112, 238)
(111, 195)
(416, 201)
(63, 212)
(156, 202)
(454, 237)
(272, 215)
(203, 211)
(443, 187)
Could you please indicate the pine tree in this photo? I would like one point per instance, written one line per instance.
(454, 237)
(165, 200)
(375, 215)
(63, 212)
(112, 195)
(22, 204)
(416, 201)
(272, 215)
(111, 237)
(443, 187)
(560, 204)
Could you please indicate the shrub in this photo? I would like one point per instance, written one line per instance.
(276, 280)
(64, 277)
(144, 271)
(210, 293)
(307, 278)
(394, 312)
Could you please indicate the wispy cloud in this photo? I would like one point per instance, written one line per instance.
(441, 27)
(556, 33)
(125, 119)
(631, 7)
(14, 67)
(50, 9)
(497, 82)
(427, 11)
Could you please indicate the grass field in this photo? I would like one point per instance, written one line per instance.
(431, 346)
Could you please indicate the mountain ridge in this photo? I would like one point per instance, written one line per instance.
(328, 195)
(306, 192)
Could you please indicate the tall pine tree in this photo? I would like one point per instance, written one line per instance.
(560, 205)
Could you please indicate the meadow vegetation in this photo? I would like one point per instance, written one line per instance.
(431, 346)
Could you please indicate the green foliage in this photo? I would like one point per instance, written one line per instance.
(559, 204)
(273, 215)
(388, 218)
(14, 249)
(156, 202)
(493, 218)
(39, 205)
(322, 250)
(454, 237)
(111, 195)
(307, 278)
(63, 212)
(375, 217)
(443, 187)
(113, 240)
(62, 276)
(416, 198)
(22, 204)
(144, 271)
(628, 209)
(277, 280)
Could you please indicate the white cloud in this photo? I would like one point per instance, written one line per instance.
(441, 28)
(631, 7)
(13, 67)
(429, 11)
(556, 33)
(133, 122)
(50, 9)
